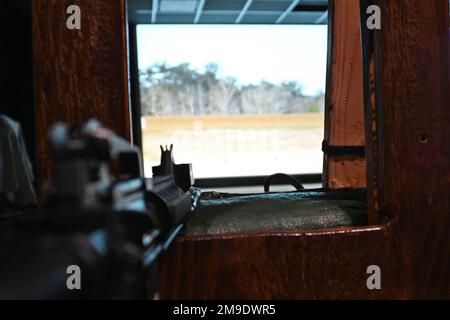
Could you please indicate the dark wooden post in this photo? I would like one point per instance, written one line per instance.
(412, 76)
(79, 74)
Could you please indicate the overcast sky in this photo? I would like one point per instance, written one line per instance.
(250, 53)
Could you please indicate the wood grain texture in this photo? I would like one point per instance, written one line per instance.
(344, 122)
(346, 172)
(410, 73)
(328, 264)
(79, 74)
(413, 71)
(373, 117)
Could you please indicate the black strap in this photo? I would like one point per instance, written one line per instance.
(282, 176)
(343, 150)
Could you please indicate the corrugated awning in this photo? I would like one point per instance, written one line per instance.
(228, 11)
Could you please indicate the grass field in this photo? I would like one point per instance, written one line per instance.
(237, 145)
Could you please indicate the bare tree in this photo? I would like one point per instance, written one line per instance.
(182, 90)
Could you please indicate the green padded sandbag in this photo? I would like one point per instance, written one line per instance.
(286, 211)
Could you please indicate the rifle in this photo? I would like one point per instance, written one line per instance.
(103, 225)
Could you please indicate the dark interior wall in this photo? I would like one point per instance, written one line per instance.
(135, 96)
(16, 81)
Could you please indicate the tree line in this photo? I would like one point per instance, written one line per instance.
(182, 90)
